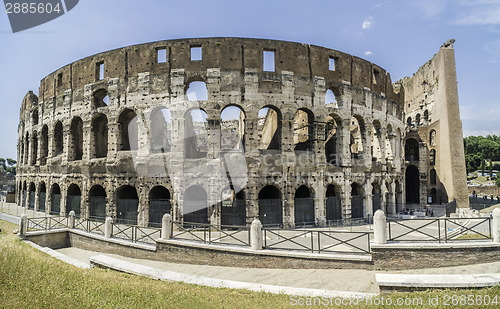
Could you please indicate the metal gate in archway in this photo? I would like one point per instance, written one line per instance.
(195, 212)
(333, 208)
(31, 204)
(304, 211)
(158, 208)
(74, 202)
(233, 213)
(55, 207)
(270, 212)
(377, 204)
(127, 211)
(98, 208)
(357, 206)
(41, 202)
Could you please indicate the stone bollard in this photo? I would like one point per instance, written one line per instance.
(496, 225)
(108, 227)
(256, 235)
(379, 228)
(166, 226)
(71, 223)
(23, 226)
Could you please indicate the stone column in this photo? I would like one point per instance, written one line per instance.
(368, 198)
(379, 228)
(343, 143)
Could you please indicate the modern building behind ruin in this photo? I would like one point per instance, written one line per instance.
(289, 133)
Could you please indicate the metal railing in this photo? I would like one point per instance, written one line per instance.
(208, 233)
(135, 233)
(90, 226)
(439, 229)
(47, 223)
(317, 241)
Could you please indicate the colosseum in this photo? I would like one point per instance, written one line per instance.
(226, 130)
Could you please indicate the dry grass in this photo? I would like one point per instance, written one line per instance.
(32, 279)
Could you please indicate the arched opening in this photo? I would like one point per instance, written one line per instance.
(127, 204)
(97, 200)
(333, 204)
(426, 116)
(433, 196)
(330, 98)
(99, 131)
(269, 127)
(376, 141)
(35, 117)
(197, 91)
(73, 200)
(433, 176)
(408, 121)
(21, 153)
(411, 150)
(27, 149)
(304, 207)
(195, 134)
(432, 157)
(417, 120)
(100, 98)
(233, 207)
(44, 151)
(432, 138)
(303, 130)
(270, 207)
(332, 126)
(357, 209)
(76, 139)
(55, 200)
(376, 197)
(356, 137)
(161, 130)
(34, 148)
(127, 130)
(232, 128)
(32, 193)
(58, 139)
(42, 197)
(195, 209)
(159, 205)
(412, 181)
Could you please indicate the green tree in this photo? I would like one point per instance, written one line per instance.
(2, 164)
(11, 162)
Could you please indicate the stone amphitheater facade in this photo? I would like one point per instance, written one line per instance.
(316, 135)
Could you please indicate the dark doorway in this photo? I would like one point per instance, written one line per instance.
(304, 207)
(127, 204)
(270, 209)
(97, 199)
(412, 185)
(159, 205)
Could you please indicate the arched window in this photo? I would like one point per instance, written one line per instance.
(411, 150)
(100, 98)
(303, 129)
(408, 121)
(269, 125)
(161, 130)
(197, 91)
(58, 139)
(76, 139)
(35, 117)
(232, 128)
(433, 177)
(128, 134)
(330, 98)
(99, 136)
(195, 134)
(44, 153)
(417, 120)
(432, 157)
(34, 148)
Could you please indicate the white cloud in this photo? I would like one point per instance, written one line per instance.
(367, 23)
(368, 53)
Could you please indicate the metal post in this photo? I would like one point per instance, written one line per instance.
(445, 232)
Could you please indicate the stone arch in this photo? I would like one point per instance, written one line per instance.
(57, 147)
(195, 134)
(197, 90)
(270, 206)
(233, 206)
(27, 149)
(232, 128)
(160, 124)
(333, 127)
(76, 139)
(73, 199)
(303, 121)
(44, 145)
(357, 204)
(417, 120)
(357, 136)
(31, 196)
(411, 150)
(42, 196)
(159, 204)
(99, 141)
(127, 130)
(426, 116)
(304, 206)
(412, 185)
(34, 148)
(432, 177)
(269, 127)
(333, 203)
(127, 205)
(97, 201)
(100, 98)
(195, 208)
(35, 116)
(55, 199)
(409, 121)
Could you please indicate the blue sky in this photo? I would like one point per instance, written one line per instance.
(398, 35)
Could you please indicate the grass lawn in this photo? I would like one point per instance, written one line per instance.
(32, 279)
